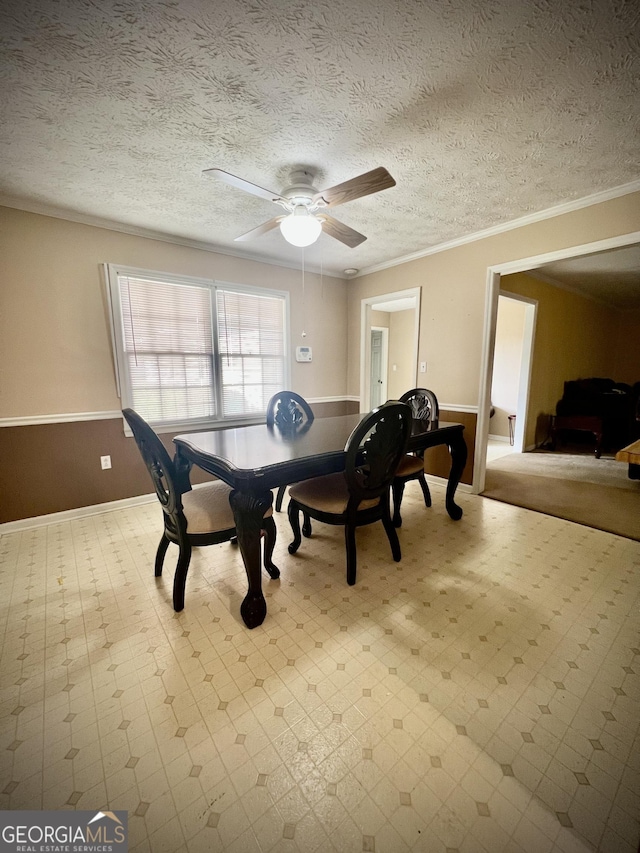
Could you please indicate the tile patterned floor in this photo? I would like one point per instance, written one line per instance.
(481, 695)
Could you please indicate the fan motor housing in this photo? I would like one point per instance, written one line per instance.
(301, 190)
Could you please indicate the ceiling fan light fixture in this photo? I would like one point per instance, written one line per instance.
(300, 228)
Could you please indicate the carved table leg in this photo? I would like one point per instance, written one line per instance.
(248, 511)
(458, 450)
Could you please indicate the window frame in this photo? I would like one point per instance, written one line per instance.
(111, 274)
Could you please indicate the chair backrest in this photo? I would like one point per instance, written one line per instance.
(160, 467)
(424, 404)
(288, 410)
(374, 450)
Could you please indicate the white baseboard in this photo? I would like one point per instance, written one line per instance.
(432, 479)
(73, 514)
(498, 437)
(86, 511)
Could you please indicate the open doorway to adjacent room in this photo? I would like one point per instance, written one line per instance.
(513, 352)
(586, 308)
(390, 325)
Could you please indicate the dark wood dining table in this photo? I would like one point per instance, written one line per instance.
(253, 460)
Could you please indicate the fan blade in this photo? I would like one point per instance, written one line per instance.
(340, 231)
(241, 184)
(371, 182)
(261, 229)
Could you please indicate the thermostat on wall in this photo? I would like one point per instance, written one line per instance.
(303, 353)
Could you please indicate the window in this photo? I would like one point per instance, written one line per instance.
(191, 351)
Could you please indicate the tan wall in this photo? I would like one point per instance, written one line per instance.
(401, 336)
(55, 354)
(55, 346)
(627, 348)
(454, 284)
(454, 287)
(575, 338)
(379, 318)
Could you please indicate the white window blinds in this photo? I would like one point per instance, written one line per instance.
(192, 351)
(169, 349)
(252, 350)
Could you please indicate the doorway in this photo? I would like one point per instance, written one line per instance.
(494, 274)
(379, 365)
(513, 356)
(388, 361)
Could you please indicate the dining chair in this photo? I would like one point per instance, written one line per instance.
(424, 407)
(192, 517)
(288, 411)
(360, 494)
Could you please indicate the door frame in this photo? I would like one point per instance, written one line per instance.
(366, 306)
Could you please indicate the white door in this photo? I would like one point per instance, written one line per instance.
(378, 378)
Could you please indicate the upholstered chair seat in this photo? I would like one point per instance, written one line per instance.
(360, 494)
(327, 494)
(410, 465)
(207, 508)
(192, 517)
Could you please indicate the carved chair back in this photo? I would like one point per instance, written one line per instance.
(424, 404)
(161, 469)
(288, 411)
(374, 450)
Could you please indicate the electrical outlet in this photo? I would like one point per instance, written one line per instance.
(105, 462)
(423, 367)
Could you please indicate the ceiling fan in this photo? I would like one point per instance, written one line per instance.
(305, 218)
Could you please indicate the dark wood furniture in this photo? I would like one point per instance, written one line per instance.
(613, 404)
(287, 411)
(425, 408)
(360, 494)
(191, 517)
(255, 459)
(577, 423)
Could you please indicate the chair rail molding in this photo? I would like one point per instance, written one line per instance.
(62, 418)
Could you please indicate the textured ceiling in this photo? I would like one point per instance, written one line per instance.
(483, 111)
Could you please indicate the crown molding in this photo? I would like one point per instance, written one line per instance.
(529, 219)
(547, 279)
(44, 209)
(86, 219)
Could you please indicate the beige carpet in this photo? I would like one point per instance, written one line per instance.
(575, 486)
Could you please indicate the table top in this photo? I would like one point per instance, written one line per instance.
(274, 457)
